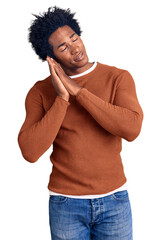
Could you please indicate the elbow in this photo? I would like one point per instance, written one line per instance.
(29, 158)
(132, 136)
(134, 131)
(26, 152)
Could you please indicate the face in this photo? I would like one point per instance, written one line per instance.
(66, 46)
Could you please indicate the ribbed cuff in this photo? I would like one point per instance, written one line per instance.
(80, 92)
(67, 102)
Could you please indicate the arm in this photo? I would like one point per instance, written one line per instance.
(39, 130)
(124, 117)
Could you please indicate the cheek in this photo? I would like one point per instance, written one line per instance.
(57, 56)
(64, 58)
(81, 42)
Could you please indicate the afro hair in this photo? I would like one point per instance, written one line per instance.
(47, 23)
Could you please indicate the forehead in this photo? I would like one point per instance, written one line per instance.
(60, 35)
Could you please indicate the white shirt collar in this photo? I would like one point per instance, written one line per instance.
(85, 72)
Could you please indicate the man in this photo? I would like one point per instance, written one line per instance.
(83, 109)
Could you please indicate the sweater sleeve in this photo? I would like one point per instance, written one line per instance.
(124, 117)
(39, 130)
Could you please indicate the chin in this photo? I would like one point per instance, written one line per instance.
(83, 62)
(86, 60)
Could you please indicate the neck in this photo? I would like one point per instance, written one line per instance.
(71, 72)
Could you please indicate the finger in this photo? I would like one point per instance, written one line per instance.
(55, 62)
(54, 68)
(50, 61)
(57, 70)
(51, 65)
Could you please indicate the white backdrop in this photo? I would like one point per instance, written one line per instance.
(125, 34)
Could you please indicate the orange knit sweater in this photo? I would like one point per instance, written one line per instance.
(86, 132)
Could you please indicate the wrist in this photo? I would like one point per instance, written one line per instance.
(78, 90)
(65, 97)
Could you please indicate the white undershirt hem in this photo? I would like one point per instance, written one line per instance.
(123, 187)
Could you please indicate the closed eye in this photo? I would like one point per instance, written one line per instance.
(66, 47)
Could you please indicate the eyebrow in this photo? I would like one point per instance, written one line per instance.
(65, 42)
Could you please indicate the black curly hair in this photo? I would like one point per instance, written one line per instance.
(47, 23)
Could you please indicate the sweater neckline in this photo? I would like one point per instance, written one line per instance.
(85, 72)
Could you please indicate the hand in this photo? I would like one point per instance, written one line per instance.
(58, 73)
(57, 84)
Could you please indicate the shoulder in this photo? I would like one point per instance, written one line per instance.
(43, 84)
(42, 87)
(115, 74)
(111, 70)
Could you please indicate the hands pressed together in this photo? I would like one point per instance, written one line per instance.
(62, 83)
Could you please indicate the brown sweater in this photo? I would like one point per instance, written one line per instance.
(86, 132)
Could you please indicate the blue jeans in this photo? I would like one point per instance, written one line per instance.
(104, 218)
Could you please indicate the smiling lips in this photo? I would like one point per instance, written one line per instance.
(79, 57)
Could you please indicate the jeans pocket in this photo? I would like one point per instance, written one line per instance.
(121, 195)
(57, 198)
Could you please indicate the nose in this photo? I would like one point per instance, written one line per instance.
(75, 50)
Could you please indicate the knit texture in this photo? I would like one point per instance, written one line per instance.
(85, 133)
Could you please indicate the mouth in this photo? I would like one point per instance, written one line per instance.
(79, 57)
